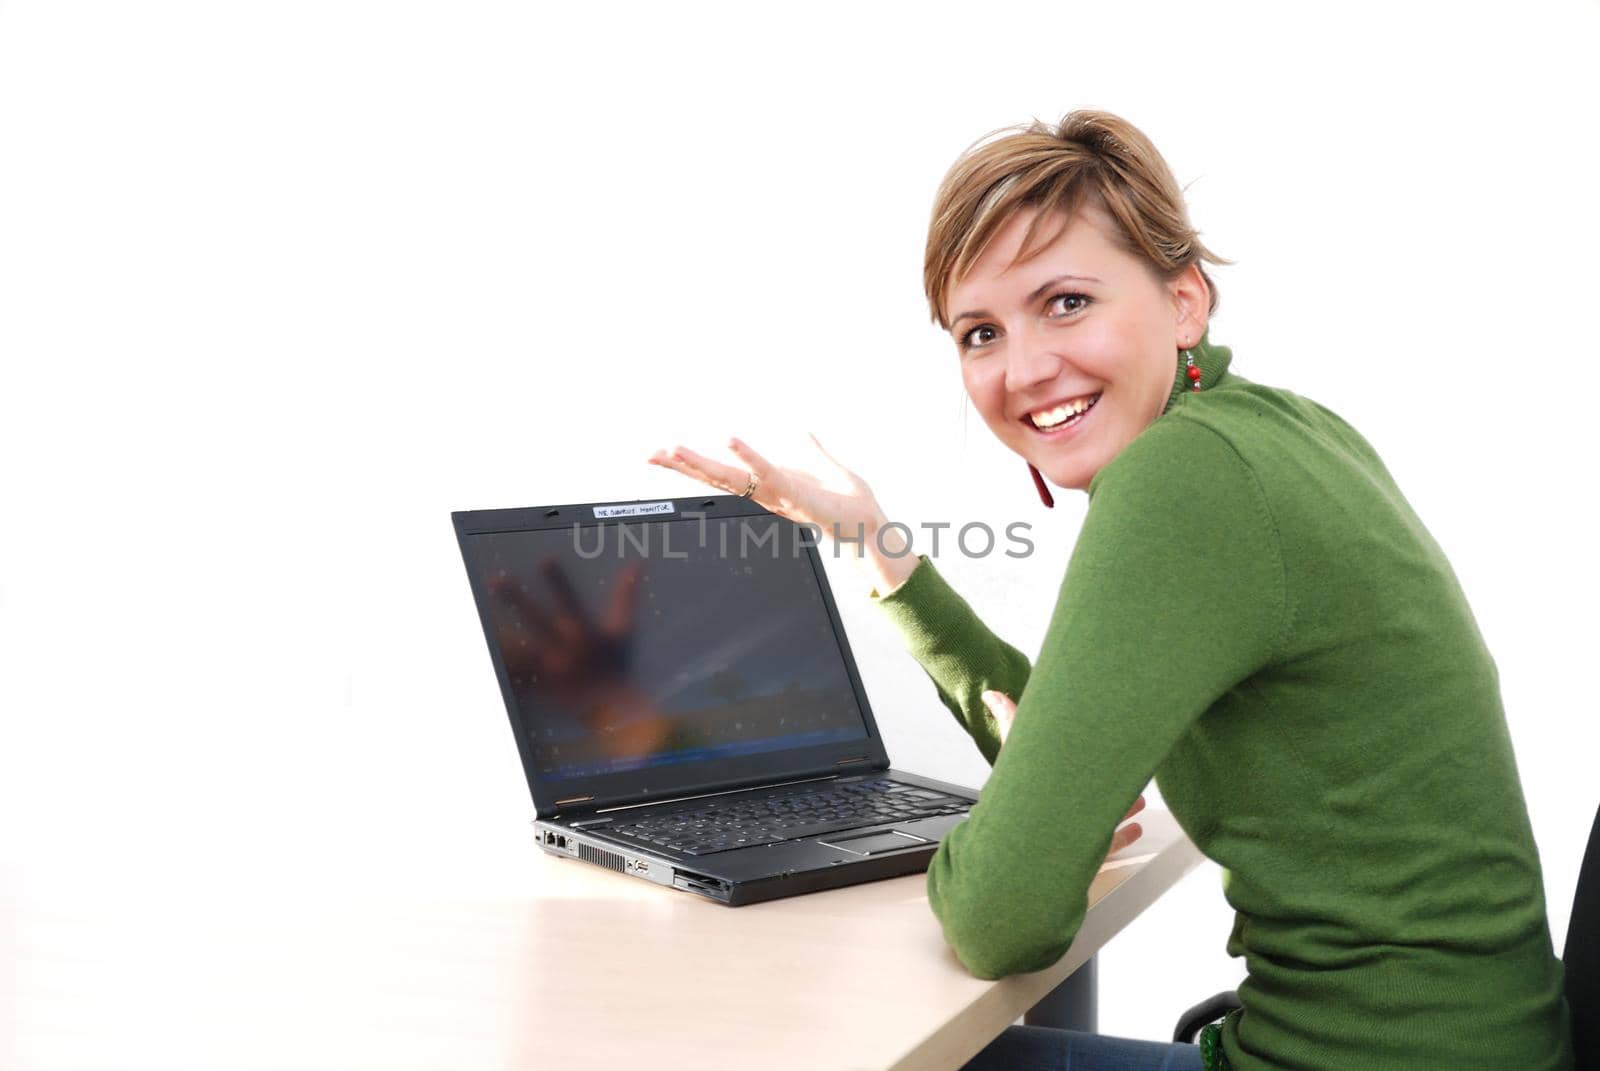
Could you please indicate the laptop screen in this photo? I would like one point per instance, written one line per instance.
(639, 645)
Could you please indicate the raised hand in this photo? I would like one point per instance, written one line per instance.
(825, 494)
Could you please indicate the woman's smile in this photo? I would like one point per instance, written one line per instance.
(1060, 420)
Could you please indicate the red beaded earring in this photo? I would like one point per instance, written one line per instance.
(1044, 492)
(1193, 370)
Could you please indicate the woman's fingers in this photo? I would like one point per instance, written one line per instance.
(1124, 836)
(824, 452)
(1138, 805)
(774, 488)
(1003, 709)
(676, 464)
(723, 477)
(743, 451)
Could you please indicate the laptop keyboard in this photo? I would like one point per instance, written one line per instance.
(804, 812)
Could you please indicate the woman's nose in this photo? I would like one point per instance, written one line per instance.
(1029, 361)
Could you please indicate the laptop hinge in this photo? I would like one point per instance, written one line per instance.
(720, 792)
(584, 805)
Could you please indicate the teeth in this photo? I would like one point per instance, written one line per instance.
(1049, 418)
(1053, 417)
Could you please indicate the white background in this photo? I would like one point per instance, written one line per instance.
(282, 284)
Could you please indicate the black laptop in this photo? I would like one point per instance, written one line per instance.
(685, 702)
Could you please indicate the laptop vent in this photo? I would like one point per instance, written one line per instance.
(604, 858)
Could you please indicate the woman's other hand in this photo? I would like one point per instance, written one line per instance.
(827, 495)
(1005, 712)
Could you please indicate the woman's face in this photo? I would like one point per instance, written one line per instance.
(1082, 338)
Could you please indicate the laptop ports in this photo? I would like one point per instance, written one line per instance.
(715, 888)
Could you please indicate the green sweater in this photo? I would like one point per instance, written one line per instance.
(1254, 617)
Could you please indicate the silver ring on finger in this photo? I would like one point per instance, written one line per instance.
(750, 488)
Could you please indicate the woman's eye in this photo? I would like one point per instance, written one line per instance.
(981, 335)
(1059, 307)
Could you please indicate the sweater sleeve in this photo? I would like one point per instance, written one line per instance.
(956, 649)
(1173, 595)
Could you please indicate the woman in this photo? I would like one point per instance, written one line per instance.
(1252, 615)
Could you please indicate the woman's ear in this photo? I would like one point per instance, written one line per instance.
(1191, 302)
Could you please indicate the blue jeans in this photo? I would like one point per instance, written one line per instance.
(1044, 1048)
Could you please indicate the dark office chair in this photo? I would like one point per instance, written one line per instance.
(1204, 1014)
(1582, 958)
(1580, 962)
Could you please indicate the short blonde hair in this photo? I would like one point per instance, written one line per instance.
(1089, 157)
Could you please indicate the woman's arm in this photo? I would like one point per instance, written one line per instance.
(885, 556)
(955, 648)
(962, 656)
(1174, 594)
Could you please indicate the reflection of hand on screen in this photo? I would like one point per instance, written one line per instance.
(549, 642)
(553, 650)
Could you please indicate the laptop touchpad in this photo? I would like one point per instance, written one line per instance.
(874, 843)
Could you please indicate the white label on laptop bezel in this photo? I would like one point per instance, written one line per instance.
(635, 510)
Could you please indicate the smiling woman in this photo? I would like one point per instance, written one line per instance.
(1114, 314)
(1252, 615)
(1032, 231)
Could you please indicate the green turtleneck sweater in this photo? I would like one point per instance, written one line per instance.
(1254, 617)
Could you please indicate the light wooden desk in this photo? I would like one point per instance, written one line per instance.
(590, 969)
